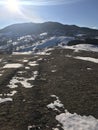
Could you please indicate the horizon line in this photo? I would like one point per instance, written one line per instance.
(93, 27)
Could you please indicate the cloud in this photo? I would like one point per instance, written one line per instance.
(47, 2)
(42, 2)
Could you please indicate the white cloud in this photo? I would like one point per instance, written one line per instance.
(42, 2)
(47, 2)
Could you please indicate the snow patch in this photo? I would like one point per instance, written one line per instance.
(1, 75)
(12, 93)
(0, 60)
(22, 53)
(43, 53)
(20, 72)
(15, 65)
(5, 100)
(56, 104)
(53, 71)
(13, 83)
(85, 47)
(34, 63)
(27, 68)
(23, 81)
(95, 60)
(89, 68)
(76, 122)
(25, 61)
(91, 59)
(40, 59)
(55, 128)
(43, 34)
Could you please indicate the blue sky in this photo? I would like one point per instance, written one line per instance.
(77, 12)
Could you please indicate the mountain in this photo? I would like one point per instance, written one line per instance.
(34, 37)
(50, 82)
(50, 27)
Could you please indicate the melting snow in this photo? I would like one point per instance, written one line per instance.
(56, 104)
(15, 65)
(13, 83)
(20, 72)
(0, 60)
(27, 67)
(40, 59)
(41, 53)
(1, 94)
(23, 81)
(12, 93)
(22, 53)
(76, 122)
(5, 100)
(85, 47)
(0, 74)
(89, 68)
(55, 128)
(34, 63)
(53, 71)
(95, 60)
(25, 61)
(43, 34)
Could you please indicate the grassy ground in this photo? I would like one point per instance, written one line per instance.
(68, 78)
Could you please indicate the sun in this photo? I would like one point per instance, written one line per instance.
(12, 5)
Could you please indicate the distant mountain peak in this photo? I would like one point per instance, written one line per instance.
(54, 28)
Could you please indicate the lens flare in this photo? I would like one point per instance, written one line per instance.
(12, 5)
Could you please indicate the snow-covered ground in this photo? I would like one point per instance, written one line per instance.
(5, 100)
(1, 74)
(22, 53)
(13, 65)
(12, 93)
(90, 59)
(22, 46)
(33, 63)
(69, 121)
(76, 122)
(94, 60)
(23, 81)
(56, 104)
(85, 47)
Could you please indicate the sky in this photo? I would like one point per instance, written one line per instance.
(83, 13)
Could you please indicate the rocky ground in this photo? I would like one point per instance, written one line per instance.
(30, 88)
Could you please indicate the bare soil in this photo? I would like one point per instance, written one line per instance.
(68, 78)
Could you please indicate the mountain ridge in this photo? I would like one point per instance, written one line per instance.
(50, 27)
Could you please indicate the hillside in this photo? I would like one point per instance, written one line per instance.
(50, 27)
(48, 77)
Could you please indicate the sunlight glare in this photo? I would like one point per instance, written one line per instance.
(12, 5)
